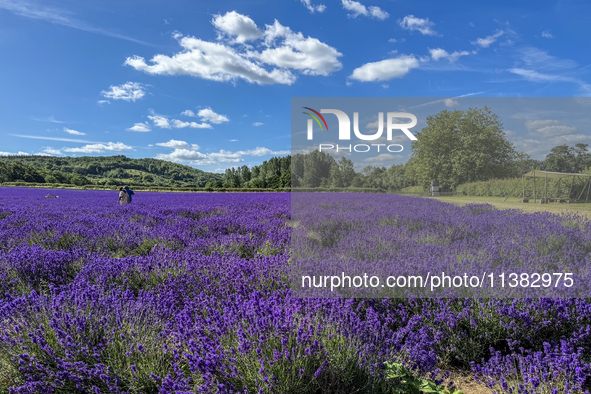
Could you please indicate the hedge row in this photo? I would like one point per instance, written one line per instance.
(514, 188)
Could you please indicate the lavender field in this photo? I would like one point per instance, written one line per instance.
(190, 293)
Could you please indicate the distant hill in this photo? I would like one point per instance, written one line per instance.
(102, 170)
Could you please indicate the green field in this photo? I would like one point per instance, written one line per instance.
(515, 203)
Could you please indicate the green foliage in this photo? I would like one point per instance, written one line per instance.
(109, 170)
(462, 146)
(572, 159)
(408, 384)
(513, 187)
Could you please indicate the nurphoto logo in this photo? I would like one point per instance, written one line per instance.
(392, 119)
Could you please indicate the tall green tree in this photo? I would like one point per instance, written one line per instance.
(462, 146)
(572, 159)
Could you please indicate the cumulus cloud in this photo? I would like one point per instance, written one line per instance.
(179, 124)
(386, 69)
(140, 127)
(100, 148)
(160, 121)
(549, 127)
(291, 50)
(412, 23)
(487, 41)
(51, 151)
(174, 144)
(14, 154)
(208, 115)
(277, 46)
(356, 9)
(547, 34)
(257, 124)
(313, 8)
(73, 132)
(450, 102)
(183, 153)
(165, 123)
(129, 91)
(439, 53)
(240, 27)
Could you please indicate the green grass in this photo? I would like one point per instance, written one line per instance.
(515, 203)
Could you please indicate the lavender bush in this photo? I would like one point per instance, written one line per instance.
(185, 293)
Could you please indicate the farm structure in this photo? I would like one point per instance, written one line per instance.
(568, 179)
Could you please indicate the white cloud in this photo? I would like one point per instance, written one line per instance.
(101, 102)
(356, 9)
(189, 113)
(174, 144)
(308, 55)
(549, 127)
(538, 59)
(220, 61)
(234, 140)
(129, 91)
(262, 152)
(257, 124)
(450, 102)
(535, 76)
(393, 40)
(73, 132)
(208, 115)
(99, 148)
(51, 119)
(313, 8)
(439, 53)
(237, 25)
(14, 154)
(412, 23)
(179, 124)
(487, 41)
(383, 159)
(160, 121)
(165, 123)
(51, 151)
(192, 155)
(213, 61)
(53, 15)
(140, 127)
(547, 34)
(538, 66)
(538, 149)
(386, 69)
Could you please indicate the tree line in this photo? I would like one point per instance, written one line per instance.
(101, 170)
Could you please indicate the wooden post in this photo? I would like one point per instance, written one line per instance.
(571, 188)
(523, 181)
(534, 185)
(546, 189)
(583, 191)
(558, 188)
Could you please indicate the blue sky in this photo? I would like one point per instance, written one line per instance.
(209, 84)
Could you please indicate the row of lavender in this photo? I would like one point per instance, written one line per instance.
(191, 293)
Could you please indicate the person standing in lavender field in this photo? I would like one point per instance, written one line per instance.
(124, 198)
(129, 193)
